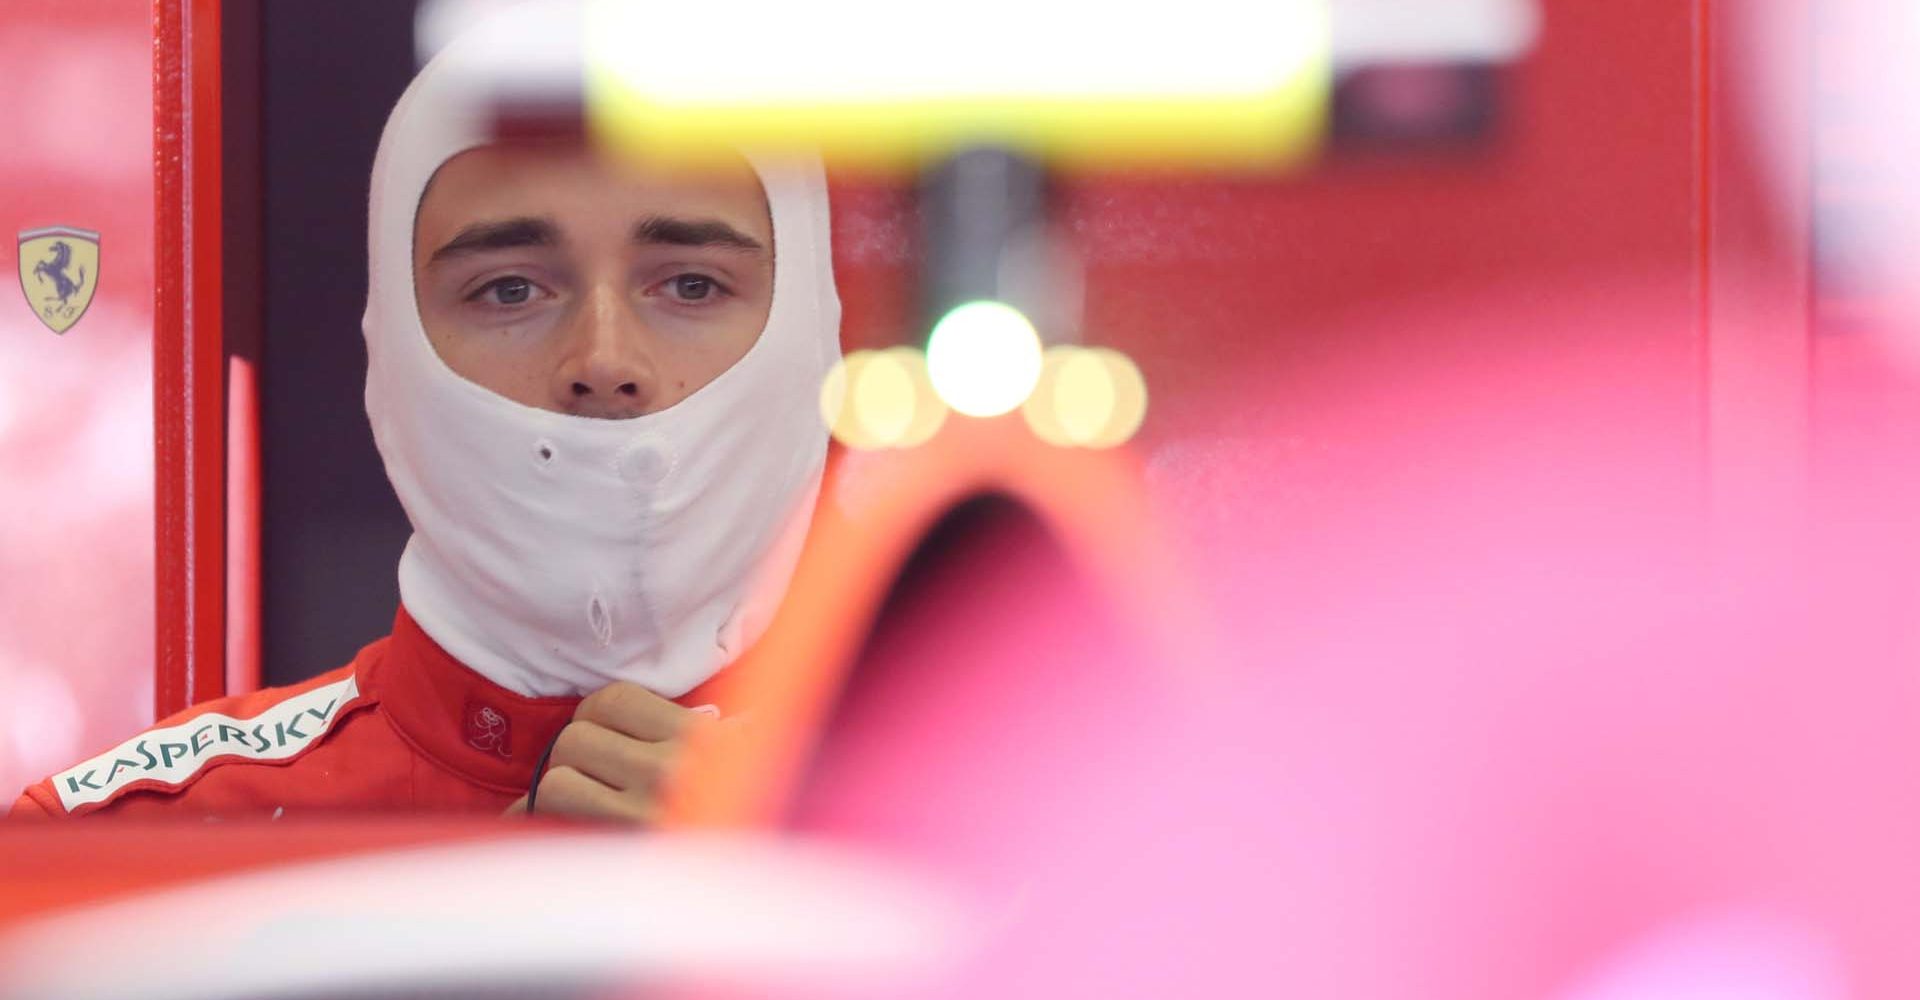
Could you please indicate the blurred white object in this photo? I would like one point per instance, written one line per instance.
(1364, 31)
(437, 22)
(828, 51)
(1367, 32)
(839, 49)
(539, 911)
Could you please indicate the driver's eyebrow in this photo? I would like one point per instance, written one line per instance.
(505, 234)
(663, 229)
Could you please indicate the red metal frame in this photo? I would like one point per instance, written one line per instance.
(189, 358)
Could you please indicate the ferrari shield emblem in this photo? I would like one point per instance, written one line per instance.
(59, 269)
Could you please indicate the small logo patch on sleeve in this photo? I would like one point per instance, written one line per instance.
(176, 753)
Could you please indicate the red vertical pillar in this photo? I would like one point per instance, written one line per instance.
(189, 358)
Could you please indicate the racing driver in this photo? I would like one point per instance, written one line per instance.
(591, 381)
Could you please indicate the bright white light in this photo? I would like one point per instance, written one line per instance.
(984, 359)
(835, 51)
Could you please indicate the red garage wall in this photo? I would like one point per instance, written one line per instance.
(1369, 321)
(76, 426)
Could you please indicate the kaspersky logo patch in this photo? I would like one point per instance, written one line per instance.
(59, 271)
(174, 754)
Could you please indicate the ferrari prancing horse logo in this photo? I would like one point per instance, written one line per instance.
(59, 269)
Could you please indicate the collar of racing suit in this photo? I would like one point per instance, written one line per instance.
(467, 724)
(460, 720)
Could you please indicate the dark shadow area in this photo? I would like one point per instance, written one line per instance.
(997, 674)
(332, 528)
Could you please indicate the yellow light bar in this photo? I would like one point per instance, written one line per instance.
(1207, 81)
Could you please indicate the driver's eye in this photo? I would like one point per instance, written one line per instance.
(692, 287)
(511, 291)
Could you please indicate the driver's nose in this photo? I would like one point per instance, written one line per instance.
(608, 369)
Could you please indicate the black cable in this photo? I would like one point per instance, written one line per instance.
(540, 770)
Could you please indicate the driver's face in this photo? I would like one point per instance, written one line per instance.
(563, 280)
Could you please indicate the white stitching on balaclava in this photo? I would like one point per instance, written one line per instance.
(554, 553)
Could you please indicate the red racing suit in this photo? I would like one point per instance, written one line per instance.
(403, 728)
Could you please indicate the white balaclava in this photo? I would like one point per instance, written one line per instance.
(553, 553)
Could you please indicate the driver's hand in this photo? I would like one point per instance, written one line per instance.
(611, 761)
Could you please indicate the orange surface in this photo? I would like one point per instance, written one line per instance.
(875, 508)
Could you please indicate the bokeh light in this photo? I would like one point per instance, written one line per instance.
(1041, 415)
(984, 358)
(1087, 398)
(929, 410)
(881, 399)
(1129, 399)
